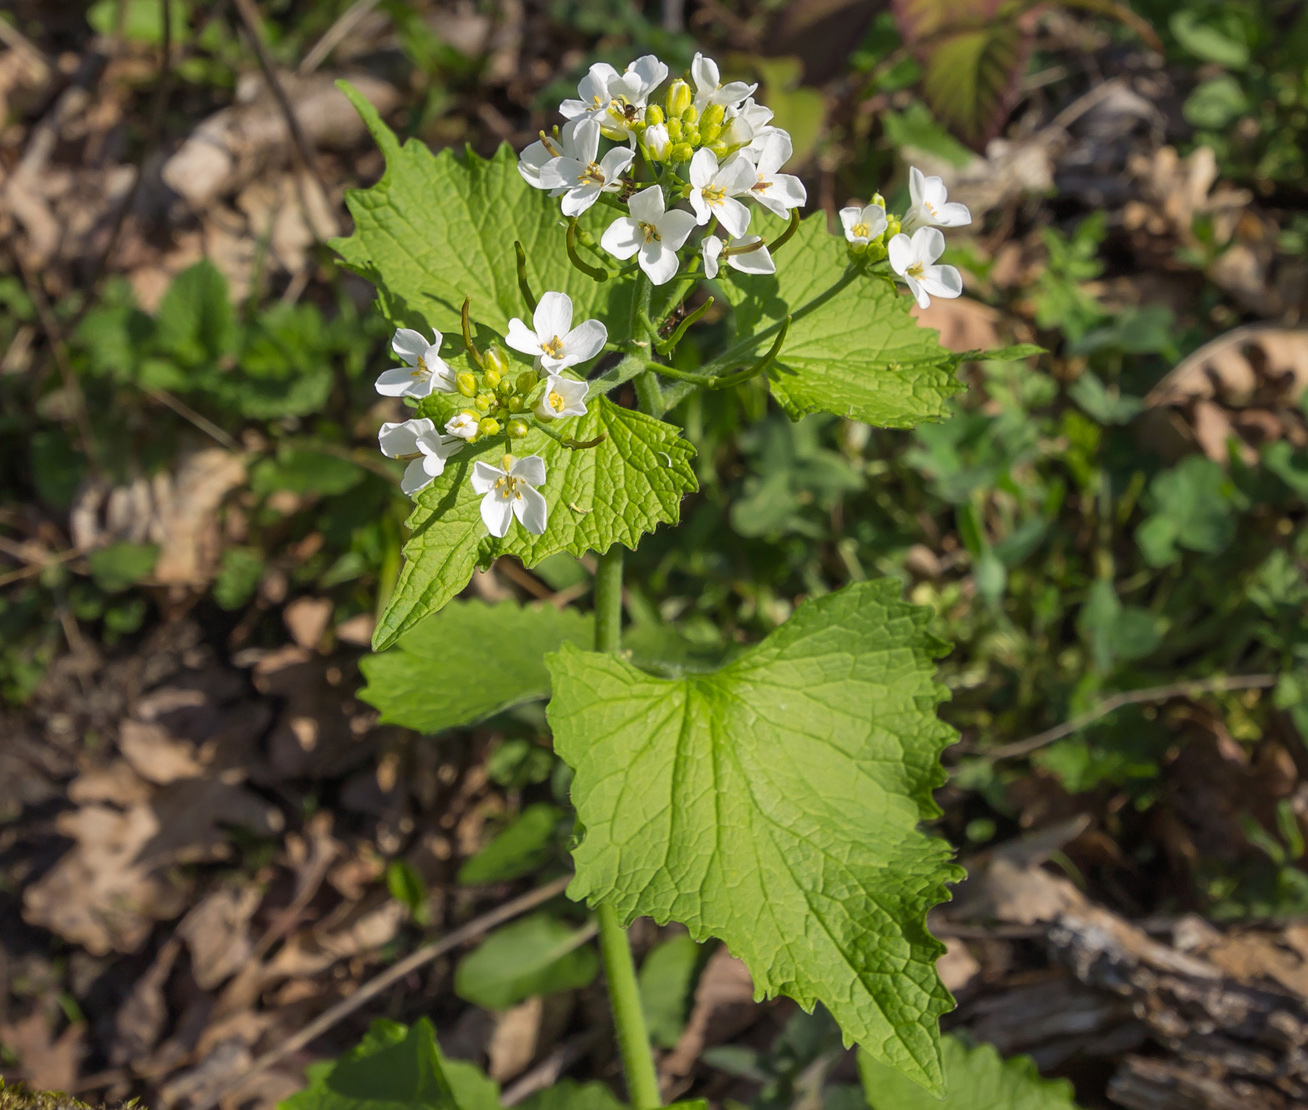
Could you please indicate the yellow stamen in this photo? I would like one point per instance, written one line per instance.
(861, 230)
(554, 348)
(916, 270)
(651, 232)
(714, 195)
(591, 175)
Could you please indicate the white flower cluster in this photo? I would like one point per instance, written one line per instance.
(708, 145)
(915, 243)
(496, 402)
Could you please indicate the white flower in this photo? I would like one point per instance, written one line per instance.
(751, 262)
(709, 88)
(862, 225)
(754, 121)
(423, 371)
(463, 425)
(548, 147)
(562, 397)
(417, 437)
(509, 491)
(931, 205)
(716, 188)
(656, 234)
(913, 260)
(593, 92)
(554, 341)
(581, 179)
(777, 192)
(638, 80)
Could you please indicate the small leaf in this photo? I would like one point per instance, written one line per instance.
(1209, 43)
(120, 566)
(392, 1068)
(631, 481)
(303, 470)
(667, 981)
(195, 321)
(976, 1079)
(468, 662)
(1215, 103)
(775, 804)
(570, 1095)
(517, 849)
(857, 352)
(537, 955)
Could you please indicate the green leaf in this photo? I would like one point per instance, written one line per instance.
(775, 804)
(627, 484)
(467, 662)
(473, 1089)
(121, 566)
(916, 128)
(392, 1068)
(537, 955)
(977, 1079)
(570, 1095)
(1215, 103)
(304, 470)
(517, 849)
(195, 322)
(437, 228)
(1116, 631)
(667, 979)
(1209, 43)
(855, 352)
(1192, 509)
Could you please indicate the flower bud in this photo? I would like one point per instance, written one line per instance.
(493, 359)
(876, 251)
(709, 131)
(527, 381)
(691, 135)
(682, 152)
(493, 377)
(488, 426)
(679, 98)
(690, 115)
(657, 143)
(467, 384)
(653, 115)
(518, 428)
(718, 147)
(674, 130)
(514, 403)
(485, 402)
(893, 227)
(506, 387)
(879, 201)
(714, 116)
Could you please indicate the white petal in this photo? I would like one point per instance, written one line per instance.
(849, 217)
(496, 513)
(615, 162)
(874, 216)
(580, 199)
(675, 228)
(442, 377)
(623, 237)
(415, 477)
(585, 140)
(943, 281)
(712, 248)
(531, 510)
(900, 251)
(647, 205)
(752, 262)
(733, 215)
(704, 72)
(733, 93)
(702, 167)
(776, 152)
(530, 469)
(953, 214)
(584, 341)
(915, 185)
(574, 109)
(915, 287)
(553, 315)
(410, 344)
(658, 262)
(400, 382)
(650, 70)
(484, 476)
(402, 438)
(790, 191)
(435, 445)
(928, 244)
(462, 426)
(934, 192)
(561, 173)
(522, 338)
(737, 175)
(703, 213)
(531, 160)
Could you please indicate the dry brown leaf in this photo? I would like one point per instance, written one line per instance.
(217, 932)
(48, 1063)
(307, 619)
(139, 1023)
(155, 755)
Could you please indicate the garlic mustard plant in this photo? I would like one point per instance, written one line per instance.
(773, 803)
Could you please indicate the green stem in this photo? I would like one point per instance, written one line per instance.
(619, 966)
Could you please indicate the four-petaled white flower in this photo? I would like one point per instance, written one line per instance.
(931, 206)
(753, 122)
(508, 491)
(638, 80)
(562, 397)
(716, 188)
(862, 225)
(423, 371)
(554, 342)
(463, 425)
(709, 88)
(777, 192)
(592, 92)
(420, 441)
(656, 234)
(548, 147)
(757, 261)
(581, 179)
(617, 100)
(914, 260)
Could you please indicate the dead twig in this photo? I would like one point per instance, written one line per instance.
(337, 33)
(548, 1071)
(207, 426)
(1215, 685)
(393, 974)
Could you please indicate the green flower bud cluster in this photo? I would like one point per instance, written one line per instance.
(687, 130)
(496, 398)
